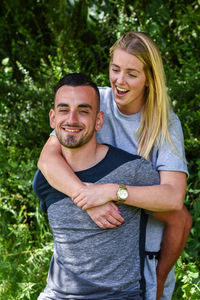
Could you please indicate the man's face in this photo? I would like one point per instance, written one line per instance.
(75, 116)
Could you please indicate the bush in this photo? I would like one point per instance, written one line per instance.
(42, 41)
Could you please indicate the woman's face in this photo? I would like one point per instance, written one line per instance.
(128, 81)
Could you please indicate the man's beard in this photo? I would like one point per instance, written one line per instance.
(71, 141)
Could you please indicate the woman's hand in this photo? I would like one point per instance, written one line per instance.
(92, 195)
(106, 216)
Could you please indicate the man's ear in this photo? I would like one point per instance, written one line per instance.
(99, 120)
(52, 118)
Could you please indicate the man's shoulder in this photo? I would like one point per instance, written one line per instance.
(45, 192)
(126, 168)
(120, 159)
(122, 155)
(113, 159)
(39, 183)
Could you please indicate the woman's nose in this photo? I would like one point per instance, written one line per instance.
(121, 78)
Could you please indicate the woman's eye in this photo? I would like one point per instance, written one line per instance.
(132, 75)
(115, 70)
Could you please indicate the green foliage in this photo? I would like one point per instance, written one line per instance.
(40, 42)
(188, 274)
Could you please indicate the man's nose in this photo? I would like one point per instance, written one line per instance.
(72, 117)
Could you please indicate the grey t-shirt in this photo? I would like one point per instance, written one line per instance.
(119, 130)
(89, 262)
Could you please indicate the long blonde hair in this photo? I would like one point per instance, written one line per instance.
(153, 128)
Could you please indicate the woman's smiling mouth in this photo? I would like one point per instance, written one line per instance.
(121, 91)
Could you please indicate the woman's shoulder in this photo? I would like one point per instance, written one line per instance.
(174, 120)
(106, 98)
(105, 91)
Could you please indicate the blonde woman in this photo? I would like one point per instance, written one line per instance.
(138, 119)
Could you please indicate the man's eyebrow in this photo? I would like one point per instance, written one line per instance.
(84, 105)
(62, 104)
(129, 69)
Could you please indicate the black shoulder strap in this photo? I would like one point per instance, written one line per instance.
(143, 224)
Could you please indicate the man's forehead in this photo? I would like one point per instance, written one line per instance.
(75, 95)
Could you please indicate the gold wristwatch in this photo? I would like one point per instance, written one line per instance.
(122, 193)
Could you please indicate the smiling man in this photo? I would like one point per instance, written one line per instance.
(89, 262)
(72, 121)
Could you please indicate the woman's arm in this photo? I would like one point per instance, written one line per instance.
(56, 170)
(59, 175)
(169, 195)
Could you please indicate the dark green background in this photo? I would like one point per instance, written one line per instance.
(40, 41)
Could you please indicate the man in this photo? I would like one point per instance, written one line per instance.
(89, 262)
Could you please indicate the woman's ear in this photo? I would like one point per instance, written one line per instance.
(52, 118)
(99, 120)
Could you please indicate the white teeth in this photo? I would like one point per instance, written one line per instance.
(121, 90)
(72, 130)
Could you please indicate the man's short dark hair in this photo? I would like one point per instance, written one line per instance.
(78, 79)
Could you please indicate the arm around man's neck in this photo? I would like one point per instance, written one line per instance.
(56, 170)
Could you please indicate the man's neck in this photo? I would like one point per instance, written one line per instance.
(84, 157)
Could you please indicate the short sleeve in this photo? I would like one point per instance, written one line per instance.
(170, 156)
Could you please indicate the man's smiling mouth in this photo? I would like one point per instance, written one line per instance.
(72, 130)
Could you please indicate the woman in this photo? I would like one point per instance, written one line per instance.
(138, 119)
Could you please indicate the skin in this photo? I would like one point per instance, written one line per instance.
(70, 117)
(177, 223)
(128, 81)
(76, 120)
(174, 239)
(92, 196)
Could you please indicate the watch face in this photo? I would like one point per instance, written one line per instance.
(123, 194)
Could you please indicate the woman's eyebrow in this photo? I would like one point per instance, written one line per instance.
(129, 69)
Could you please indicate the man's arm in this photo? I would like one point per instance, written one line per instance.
(177, 229)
